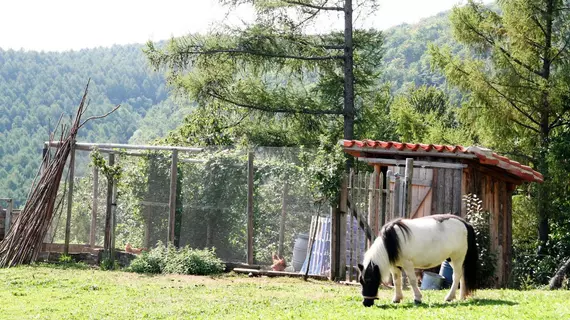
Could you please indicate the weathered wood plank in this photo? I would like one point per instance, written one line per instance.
(457, 189)
(418, 163)
(409, 174)
(389, 201)
(448, 191)
(440, 200)
(271, 273)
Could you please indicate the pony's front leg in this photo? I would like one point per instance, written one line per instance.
(397, 277)
(410, 272)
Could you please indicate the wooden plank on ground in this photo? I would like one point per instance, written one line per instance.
(271, 273)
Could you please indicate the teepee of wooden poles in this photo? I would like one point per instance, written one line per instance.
(23, 242)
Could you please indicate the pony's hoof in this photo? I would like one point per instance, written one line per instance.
(395, 301)
(417, 302)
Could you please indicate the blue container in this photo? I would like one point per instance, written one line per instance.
(300, 251)
(431, 281)
(446, 271)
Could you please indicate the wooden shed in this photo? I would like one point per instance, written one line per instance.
(443, 174)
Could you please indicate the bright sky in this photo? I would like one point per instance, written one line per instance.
(58, 25)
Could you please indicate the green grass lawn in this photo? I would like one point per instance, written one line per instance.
(42, 292)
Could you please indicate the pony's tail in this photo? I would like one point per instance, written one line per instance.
(471, 262)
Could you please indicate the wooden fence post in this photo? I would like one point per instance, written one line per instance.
(69, 198)
(8, 217)
(283, 218)
(113, 217)
(338, 218)
(172, 196)
(250, 208)
(109, 211)
(408, 188)
(93, 231)
(341, 236)
(372, 205)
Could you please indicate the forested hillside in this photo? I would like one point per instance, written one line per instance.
(37, 87)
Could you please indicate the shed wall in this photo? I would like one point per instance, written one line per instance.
(496, 196)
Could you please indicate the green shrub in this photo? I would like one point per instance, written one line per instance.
(109, 265)
(65, 259)
(531, 270)
(186, 260)
(479, 219)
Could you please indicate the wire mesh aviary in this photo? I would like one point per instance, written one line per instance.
(23, 242)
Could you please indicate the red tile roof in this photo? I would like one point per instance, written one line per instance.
(484, 156)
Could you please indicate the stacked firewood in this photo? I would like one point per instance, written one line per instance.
(24, 241)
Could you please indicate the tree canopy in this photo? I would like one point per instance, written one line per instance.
(518, 85)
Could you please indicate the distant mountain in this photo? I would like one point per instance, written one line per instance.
(37, 87)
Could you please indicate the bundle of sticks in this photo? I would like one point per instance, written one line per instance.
(23, 242)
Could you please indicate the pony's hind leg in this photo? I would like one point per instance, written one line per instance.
(410, 272)
(462, 289)
(397, 277)
(457, 277)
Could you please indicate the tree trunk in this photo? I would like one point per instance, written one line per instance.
(543, 201)
(543, 194)
(348, 109)
(348, 73)
(556, 281)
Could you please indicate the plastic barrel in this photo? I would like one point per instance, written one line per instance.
(431, 281)
(300, 251)
(446, 271)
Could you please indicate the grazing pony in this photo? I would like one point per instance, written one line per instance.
(405, 244)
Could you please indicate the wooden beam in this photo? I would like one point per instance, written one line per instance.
(417, 153)
(172, 196)
(250, 208)
(419, 164)
(92, 146)
(283, 218)
(69, 198)
(93, 230)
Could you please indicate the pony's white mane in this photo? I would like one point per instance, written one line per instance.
(378, 254)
